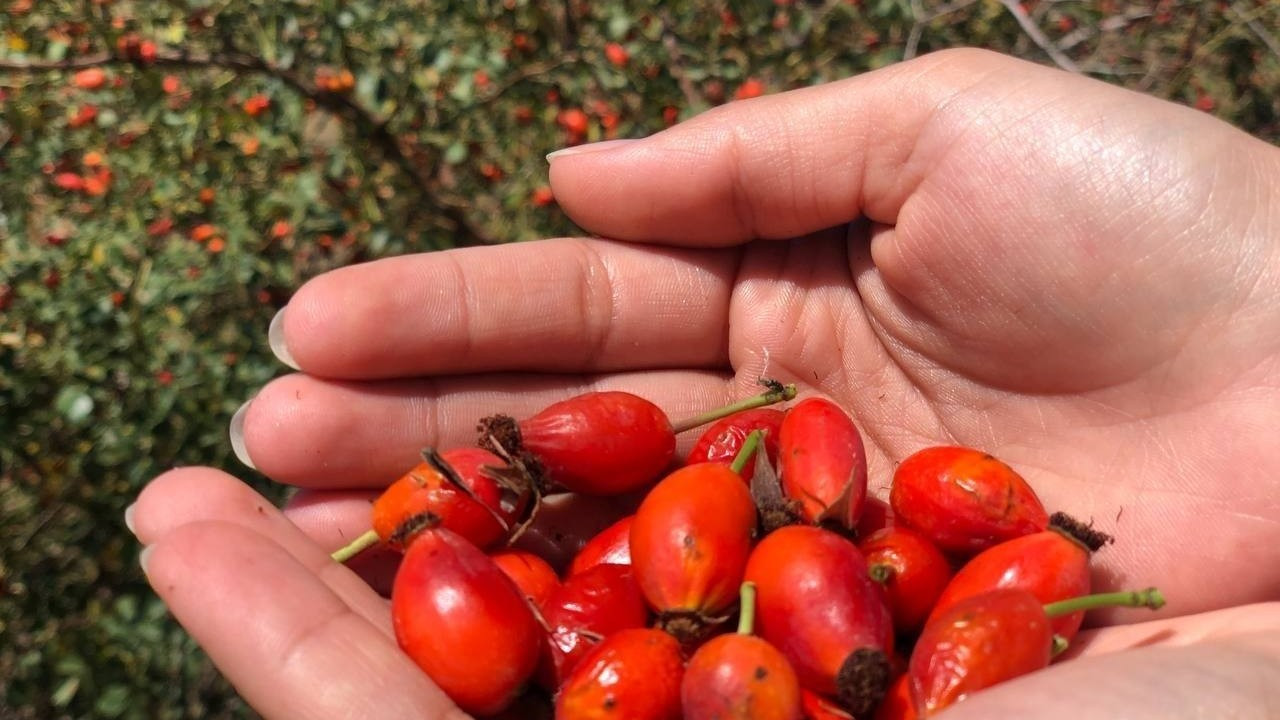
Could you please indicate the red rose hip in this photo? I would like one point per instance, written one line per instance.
(964, 500)
(464, 622)
(817, 604)
(632, 674)
(912, 570)
(822, 463)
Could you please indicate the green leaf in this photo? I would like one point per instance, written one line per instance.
(113, 701)
(74, 403)
(456, 153)
(65, 692)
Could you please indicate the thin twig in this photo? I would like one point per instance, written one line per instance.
(1251, 21)
(917, 27)
(527, 72)
(1038, 37)
(407, 156)
(676, 67)
(1111, 24)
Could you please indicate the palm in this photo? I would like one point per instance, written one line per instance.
(1029, 280)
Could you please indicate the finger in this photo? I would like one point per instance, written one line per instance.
(291, 646)
(187, 495)
(556, 305)
(1178, 631)
(321, 434)
(1232, 677)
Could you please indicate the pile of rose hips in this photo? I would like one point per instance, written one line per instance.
(843, 608)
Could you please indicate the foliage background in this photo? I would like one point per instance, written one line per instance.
(218, 175)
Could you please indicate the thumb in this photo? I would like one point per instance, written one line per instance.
(790, 164)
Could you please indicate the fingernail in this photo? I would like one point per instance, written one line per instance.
(236, 433)
(590, 148)
(275, 338)
(128, 518)
(143, 557)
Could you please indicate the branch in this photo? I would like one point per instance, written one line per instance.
(917, 26)
(1251, 21)
(404, 155)
(1038, 37)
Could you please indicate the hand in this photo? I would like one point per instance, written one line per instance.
(1081, 280)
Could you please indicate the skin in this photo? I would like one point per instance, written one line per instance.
(962, 249)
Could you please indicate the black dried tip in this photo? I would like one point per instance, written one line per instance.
(411, 526)
(863, 680)
(501, 428)
(1080, 532)
(774, 515)
(689, 628)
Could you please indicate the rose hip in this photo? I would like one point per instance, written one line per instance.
(610, 546)
(740, 676)
(815, 707)
(818, 605)
(588, 607)
(723, 439)
(964, 500)
(464, 622)
(912, 570)
(1052, 565)
(532, 575)
(822, 463)
(468, 490)
(986, 639)
(897, 704)
(633, 674)
(605, 443)
(689, 544)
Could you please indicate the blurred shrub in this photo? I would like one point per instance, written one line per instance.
(174, 170)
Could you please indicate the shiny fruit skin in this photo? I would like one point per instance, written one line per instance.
(459, 617)
(631, 675)
(690, 539)
(897, 704)
(591, 605)
(722, 440)
(533, 576)
(739, 677)
(1049, 565)
(601, 443)
(815, 707)
(977, 643)
(917, 573)
(964, 500)
(816, 603)
(822, 463)
(425, 490)
(610, 546)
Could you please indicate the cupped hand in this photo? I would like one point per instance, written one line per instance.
(962, 249)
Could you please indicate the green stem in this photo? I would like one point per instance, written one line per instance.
(1149, 598)
(747, 608)
(748, 449)
(777, 393)
(355, 547)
